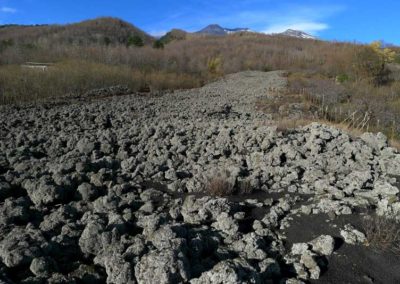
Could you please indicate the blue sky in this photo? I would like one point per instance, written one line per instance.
(351, 20)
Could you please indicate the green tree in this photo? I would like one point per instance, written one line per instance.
(5, 43)
(135, 41)
(107, 40)
(158, 44)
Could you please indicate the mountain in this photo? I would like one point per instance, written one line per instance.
(220, 31)
(298, 34)
(172, 35)
(97, 31)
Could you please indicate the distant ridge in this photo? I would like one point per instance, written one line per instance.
(297, 33)
(114, 31)
(215, 29)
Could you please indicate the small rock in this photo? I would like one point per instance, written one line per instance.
(166, 266)
(87, 192)
(42, 266)
(310, 262)
(300, 248)
(352, 236)
(323, 245)
(85, 146)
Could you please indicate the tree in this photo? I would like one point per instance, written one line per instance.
(158, 44)
(387, 55)
(370, 63)
(5, 43)
(135, 41)
(107, 40)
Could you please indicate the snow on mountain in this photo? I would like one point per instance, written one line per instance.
(298, 34)
(218, 30)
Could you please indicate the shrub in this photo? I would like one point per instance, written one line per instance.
(387, 55)
(245, 187)
(135, 41)
(158, 44)
(397, 59)
(107, 40)
(342, 78)
(382, 234)
(77, 77)
(370, 65)
(219, 186)
(5, 43)
(214, 65)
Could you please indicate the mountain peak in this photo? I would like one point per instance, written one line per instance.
(214, 26)
(215, 29)
(297, 33)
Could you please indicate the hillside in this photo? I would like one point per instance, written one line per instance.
(174, 34)
(106, 31)
(97, 31)
(342, 78)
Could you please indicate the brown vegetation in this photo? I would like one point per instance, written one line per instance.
(245, 187)
(18, 84)
(343, 83)
(100, 31)
(382, 234)
(361, 105)
(219, 186)
(181, 64)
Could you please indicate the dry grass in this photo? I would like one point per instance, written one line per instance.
(394, 143)
(382, 234)
(74, 77)
(185, 63)
(245, 187)
(353, 132)
(220, 186)
(314, 66)
(286, 124)
(356, 105)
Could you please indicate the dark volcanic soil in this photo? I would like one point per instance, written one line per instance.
(349, 263)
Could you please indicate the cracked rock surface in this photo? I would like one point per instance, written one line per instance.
(113, 190)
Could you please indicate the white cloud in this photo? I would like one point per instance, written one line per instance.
(310, 19)
(8, 10)
(308, 27)
(268, 16)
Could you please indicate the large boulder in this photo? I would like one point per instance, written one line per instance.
(21, 245)
(229, 272)
(166, 266)
(198, 210)
(15, 211)
(44, 191)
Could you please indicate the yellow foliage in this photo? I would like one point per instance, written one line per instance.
(386, 54)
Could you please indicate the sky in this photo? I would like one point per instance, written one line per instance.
(350, 20)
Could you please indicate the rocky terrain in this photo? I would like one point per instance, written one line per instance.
(115, 190)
